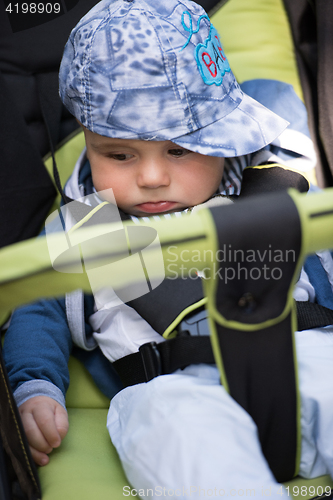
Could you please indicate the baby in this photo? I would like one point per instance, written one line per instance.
(167, 127)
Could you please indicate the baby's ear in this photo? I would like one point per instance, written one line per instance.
(216, 201)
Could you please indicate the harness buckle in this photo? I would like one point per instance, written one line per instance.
(151, 359)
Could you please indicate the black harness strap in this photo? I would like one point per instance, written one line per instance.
(268, 178)
(161, 359)
(311, 315)
(257, 352)
(164, 358)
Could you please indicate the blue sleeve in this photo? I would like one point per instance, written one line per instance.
(37, 345)
(319, 268)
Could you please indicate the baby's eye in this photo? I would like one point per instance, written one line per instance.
(119, 156)
(178, 152)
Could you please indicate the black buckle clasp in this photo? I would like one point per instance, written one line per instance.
(151, 359)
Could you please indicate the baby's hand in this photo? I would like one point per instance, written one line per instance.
(46, 423)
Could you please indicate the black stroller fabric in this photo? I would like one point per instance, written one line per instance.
(29, 64)
(18, 474)
(311, 23)
(27, 191)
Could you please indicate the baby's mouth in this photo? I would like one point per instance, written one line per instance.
(156, 207)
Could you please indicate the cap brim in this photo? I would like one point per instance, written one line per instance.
(248, 128)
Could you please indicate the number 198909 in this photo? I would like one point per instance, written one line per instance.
(312, 491)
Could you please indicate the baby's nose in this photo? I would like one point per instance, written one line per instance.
(153, 174)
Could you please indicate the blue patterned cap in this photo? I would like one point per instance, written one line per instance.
(156, 70)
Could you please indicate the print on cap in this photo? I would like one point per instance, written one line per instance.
(210, 58)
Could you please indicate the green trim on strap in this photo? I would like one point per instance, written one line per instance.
(216, 346)
(298, 394)
(316, 214)
(181, 316)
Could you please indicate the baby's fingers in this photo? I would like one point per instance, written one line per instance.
(39, 457)
(45, 423)
(34, 435)
(61, 421)
(44, 416)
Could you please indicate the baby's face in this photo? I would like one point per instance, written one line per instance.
(152, 177)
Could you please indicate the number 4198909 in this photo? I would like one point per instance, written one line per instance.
(33, 8)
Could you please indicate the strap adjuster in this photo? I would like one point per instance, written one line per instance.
(151, 360)
(163, 358)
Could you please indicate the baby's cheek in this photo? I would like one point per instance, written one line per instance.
(101, 181)
(97, 181)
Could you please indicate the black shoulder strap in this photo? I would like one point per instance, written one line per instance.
(165, 303)
(269, 178)
(311, 315)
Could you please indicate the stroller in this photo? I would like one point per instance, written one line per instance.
(90, 468)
